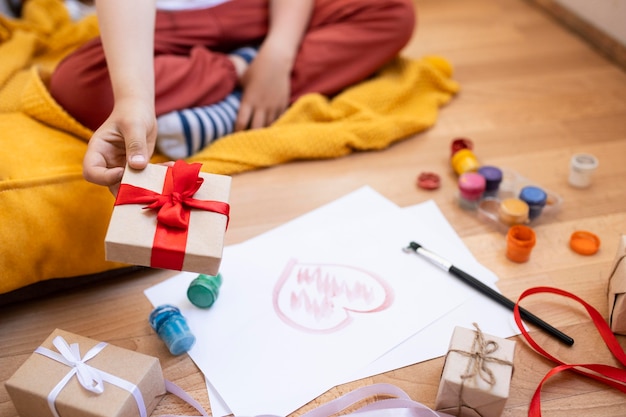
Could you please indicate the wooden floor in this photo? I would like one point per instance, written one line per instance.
(532, 95)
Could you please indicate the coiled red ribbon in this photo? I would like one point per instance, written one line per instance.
(173, 206)
(610, 375)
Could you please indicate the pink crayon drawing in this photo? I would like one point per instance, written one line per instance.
(321, 298)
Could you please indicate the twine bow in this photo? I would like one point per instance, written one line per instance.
(90, 378)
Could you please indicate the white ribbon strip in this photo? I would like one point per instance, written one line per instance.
(90, 378)
(399, 406)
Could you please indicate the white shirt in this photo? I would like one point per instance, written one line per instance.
(187, 4)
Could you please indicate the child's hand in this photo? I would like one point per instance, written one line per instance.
(128, 135)
(266, 90)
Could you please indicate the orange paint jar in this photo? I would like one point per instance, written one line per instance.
(520, 241)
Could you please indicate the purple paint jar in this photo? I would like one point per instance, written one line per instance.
(493, 178)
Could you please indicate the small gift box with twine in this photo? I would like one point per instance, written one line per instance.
(476, 374)
(617, 291)
(71, 375)
(170, 217)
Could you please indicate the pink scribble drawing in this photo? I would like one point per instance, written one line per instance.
(322, 298)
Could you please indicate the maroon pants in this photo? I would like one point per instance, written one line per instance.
(346, 42)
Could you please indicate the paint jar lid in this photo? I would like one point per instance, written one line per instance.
(161, 314)
(203, 291)
(428, 181)
(533, 195)
(460, 143)
(471, 185)
(584, 242)
(493, 176)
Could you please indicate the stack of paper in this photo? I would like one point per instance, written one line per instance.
(328, 298)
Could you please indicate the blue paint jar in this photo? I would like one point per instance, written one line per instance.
(203, 291)
(536, 199)
(493, 178)
(172, 328)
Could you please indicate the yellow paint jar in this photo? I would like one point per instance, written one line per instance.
(513, 211)
(464, 160)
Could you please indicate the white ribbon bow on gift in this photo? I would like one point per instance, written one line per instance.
(90, 378)
(398, 405)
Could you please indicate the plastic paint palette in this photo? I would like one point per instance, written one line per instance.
(510, 187)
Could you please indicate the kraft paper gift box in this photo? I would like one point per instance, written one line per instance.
(171, 218)
(476, 375)
(43, 382)
(617, 291)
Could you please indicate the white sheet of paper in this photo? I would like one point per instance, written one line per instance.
(272, 342)
(433, 341)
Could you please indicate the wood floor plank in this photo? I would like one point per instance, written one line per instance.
(532, 94)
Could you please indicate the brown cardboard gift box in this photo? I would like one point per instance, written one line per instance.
(476, 374)
(617, 291)
(33, 385)
(134, 231)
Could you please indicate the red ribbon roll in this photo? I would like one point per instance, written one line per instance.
(173, 206)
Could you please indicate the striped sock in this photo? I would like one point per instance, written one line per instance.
(182, 133)
(247, 53)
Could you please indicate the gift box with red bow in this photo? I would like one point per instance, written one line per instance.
(170, 217)
(72, 375)
(476, 375)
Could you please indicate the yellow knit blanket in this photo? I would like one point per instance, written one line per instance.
(47, 204)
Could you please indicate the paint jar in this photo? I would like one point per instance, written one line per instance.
(460, 143)
(536, 199)
(520, 241)
(582, 167)
(464, 161)
(171, 326)
(203, 290)
(513, 211)
(471, 188)
(493, 178)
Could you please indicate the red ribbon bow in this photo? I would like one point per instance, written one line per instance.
(173, 207)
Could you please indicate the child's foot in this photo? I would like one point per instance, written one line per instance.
(241, 59)
(182, 133)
